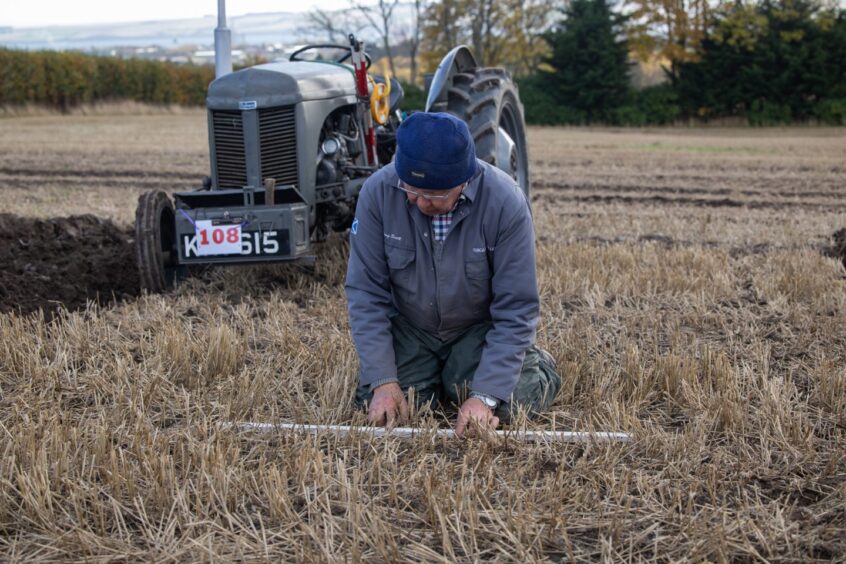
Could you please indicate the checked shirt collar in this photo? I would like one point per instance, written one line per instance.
(442, 222)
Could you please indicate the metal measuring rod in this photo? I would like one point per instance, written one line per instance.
(410, 432)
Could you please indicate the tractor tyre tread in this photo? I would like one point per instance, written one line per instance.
(479, 103)
(148, 252)
(459, 93)
(463, 78)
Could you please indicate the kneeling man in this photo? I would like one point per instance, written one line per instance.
(441, 283)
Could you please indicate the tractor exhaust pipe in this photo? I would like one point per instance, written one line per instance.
(222, 43)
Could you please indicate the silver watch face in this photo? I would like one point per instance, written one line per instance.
(490, 402)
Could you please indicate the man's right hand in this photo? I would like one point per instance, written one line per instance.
(388, 401)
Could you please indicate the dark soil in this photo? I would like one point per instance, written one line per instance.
(66, 261)
(838, 249)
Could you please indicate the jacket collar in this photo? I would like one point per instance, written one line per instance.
(473, 185)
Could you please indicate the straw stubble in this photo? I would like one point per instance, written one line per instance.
(713, 332)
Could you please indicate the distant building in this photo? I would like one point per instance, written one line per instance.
(206, 57)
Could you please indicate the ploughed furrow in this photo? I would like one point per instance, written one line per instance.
(732, 250)
(715, 181)
(137, 162)
(117, 183)
(98, 173)
(758, 174)
(676, 166)
(64, 261)
(655, 199)
(645, 187)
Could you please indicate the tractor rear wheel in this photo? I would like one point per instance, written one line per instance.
(155, 242)
(487, 100)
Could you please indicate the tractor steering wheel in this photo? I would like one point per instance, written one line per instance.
(341, 59)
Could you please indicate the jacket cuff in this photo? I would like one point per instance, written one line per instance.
(486, 398)
(381, 381)
(485, 389)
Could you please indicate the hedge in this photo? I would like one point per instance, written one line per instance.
(66, 79)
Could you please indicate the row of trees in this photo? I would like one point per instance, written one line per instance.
(772, 61)
(769, 61)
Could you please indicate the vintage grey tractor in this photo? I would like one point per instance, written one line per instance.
(291, 144)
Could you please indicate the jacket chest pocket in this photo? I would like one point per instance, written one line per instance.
(478, 280)
(477, 270)
(401, 264)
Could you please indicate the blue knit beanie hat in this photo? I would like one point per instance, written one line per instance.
(435, 151)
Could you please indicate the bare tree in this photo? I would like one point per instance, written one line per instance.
(477, 22)
(416, 35)
(336, 25)
(524, 24)
(442, 29)
(380, 16)
(484, 15)
(505, 33)
(324, 22)
(411, 35)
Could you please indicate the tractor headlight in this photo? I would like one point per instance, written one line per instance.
(330, 146)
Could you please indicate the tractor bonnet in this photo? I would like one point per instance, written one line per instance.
(280, 84)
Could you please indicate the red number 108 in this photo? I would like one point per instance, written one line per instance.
(232, 236)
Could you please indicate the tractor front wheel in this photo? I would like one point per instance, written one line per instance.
(155, 242)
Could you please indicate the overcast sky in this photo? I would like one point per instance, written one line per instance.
(38, 13)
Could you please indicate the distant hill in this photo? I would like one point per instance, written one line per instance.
(286, 28)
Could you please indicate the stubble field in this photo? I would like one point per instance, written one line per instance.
(692, 295)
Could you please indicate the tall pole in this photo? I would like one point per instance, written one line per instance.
(222, 43)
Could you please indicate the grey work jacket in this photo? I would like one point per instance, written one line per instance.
(486, 273)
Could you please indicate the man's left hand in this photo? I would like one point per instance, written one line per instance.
(472, 411)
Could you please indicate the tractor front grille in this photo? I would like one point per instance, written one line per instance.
(229, 149)
(278, 142)
(277, 147)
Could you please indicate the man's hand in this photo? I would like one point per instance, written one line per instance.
(387, 401)
(476, 411)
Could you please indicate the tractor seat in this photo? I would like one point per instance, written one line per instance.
(397, 92)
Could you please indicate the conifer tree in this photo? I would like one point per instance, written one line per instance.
(589, 58)
(773, 62)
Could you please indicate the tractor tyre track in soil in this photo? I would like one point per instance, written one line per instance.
(64, 261)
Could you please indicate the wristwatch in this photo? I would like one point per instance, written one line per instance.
(489, 401)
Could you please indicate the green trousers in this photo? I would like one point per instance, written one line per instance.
(442, 372)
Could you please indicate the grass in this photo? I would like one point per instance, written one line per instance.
(715, 332)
